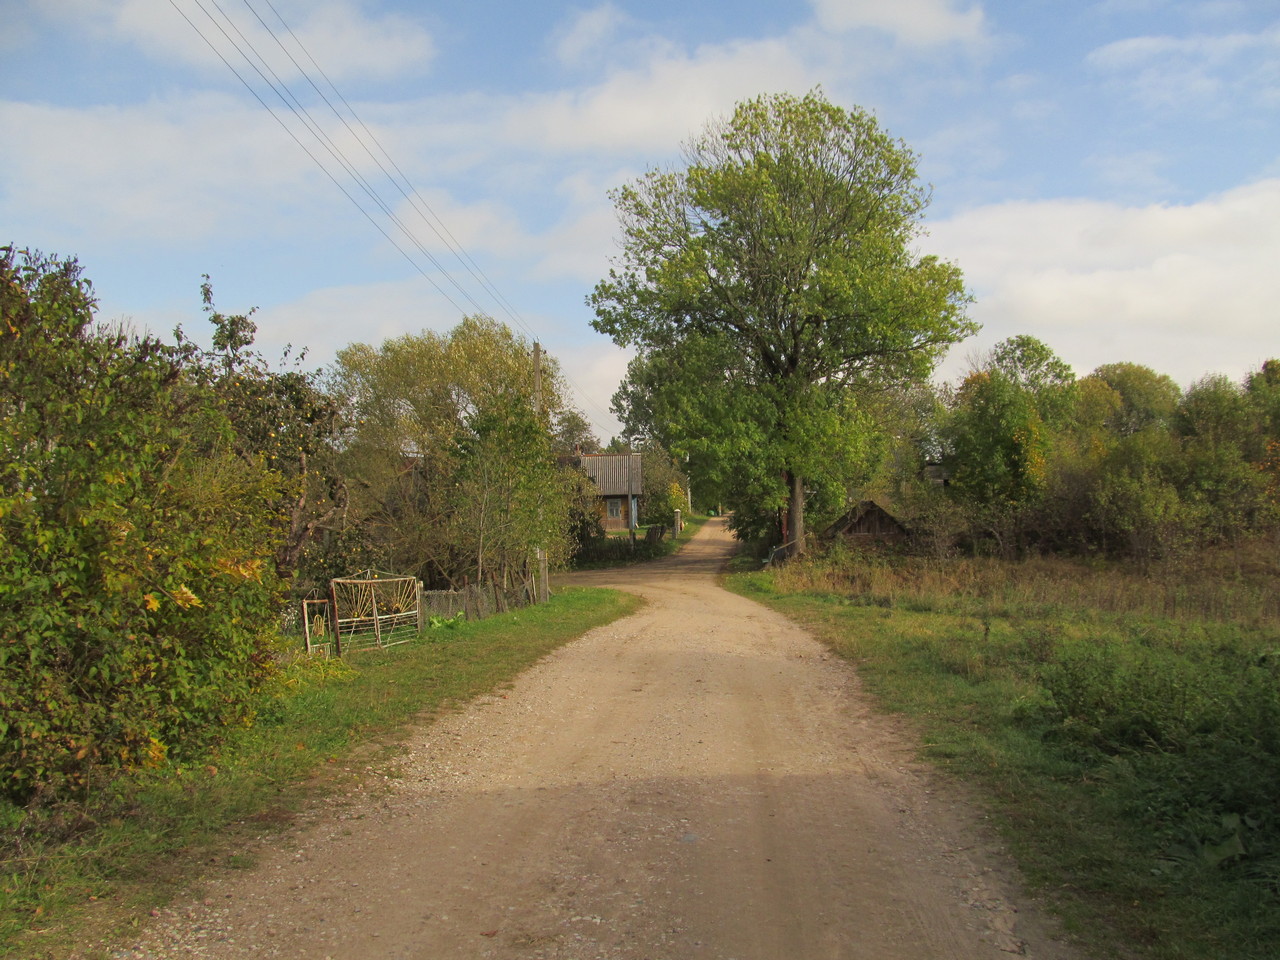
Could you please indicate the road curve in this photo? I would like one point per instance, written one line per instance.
(699, 780)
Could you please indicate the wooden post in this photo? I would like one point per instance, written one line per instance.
(544, 590)
(422, 614)
(333, 613)
(373, 605)
(306, 628)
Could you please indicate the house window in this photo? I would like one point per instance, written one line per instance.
(615, 509)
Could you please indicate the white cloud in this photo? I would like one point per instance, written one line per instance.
(661, 104)
(1195, 72)
(964, 149)
(1123, 8)
(166, 170)
(655, 94)
(1185, 289)
(442, 223)
(1137, 173)
(327, 319)
(1141, 51)
(337, 33)
(588, 35)
(594, 369)
(579, 247)
(916, 23)
(347, 44)
(574, 246)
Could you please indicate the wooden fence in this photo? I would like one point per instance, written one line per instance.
(362, 624)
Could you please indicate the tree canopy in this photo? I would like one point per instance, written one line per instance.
(787, 242)
(451, 453)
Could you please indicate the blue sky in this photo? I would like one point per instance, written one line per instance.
(1107, 174)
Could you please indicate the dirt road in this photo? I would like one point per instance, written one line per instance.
(699, 780)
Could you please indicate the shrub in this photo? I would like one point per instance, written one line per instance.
(609, 551)
(135, 547)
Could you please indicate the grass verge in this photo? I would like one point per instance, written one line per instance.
(1130, 760)
(75, 876)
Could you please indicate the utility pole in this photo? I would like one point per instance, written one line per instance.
(537, 377)
(544, 587)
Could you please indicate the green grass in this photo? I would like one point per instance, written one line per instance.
(1133, 761)
(78, 874)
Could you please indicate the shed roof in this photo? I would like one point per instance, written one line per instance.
(866, 518)
(616, 474)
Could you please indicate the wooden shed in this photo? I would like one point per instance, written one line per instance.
(866, 520)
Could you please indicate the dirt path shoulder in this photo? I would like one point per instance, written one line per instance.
(700, 780)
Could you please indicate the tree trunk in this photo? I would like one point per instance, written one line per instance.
(289, 553)
(796, 514)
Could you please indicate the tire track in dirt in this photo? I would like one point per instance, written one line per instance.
(699, 780)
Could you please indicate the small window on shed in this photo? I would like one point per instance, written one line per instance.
(615, 509)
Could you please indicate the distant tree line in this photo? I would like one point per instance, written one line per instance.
(1019, 457)
(1023, 456)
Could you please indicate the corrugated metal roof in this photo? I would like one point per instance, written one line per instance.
(616, 474)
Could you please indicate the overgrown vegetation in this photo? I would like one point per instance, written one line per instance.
(450, 451)
(75, 872)
(137, 591)
(159, 505)
(161, 502)
(1126, 726)
(1024, 458)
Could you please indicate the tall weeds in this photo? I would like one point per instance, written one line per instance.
(1213, 588)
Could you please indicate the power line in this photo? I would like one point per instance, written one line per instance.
(429, 216)
(325, 170)
(246, 49)
(287, 97)
(401, 181)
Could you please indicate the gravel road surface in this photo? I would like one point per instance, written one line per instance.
(699, 780)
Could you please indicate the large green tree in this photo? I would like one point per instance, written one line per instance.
(450, 452)
(789, 241)
(1000, 431)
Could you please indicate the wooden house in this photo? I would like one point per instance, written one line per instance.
(618, 478)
